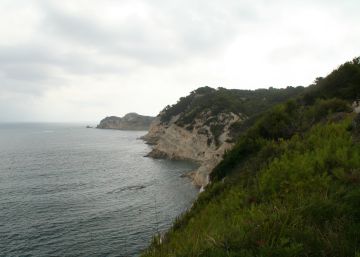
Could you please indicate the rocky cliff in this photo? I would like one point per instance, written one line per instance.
(203, 125)
(197, 143)
(131, 121)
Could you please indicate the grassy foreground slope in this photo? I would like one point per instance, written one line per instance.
(289, 187)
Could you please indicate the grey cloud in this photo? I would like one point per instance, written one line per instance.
(78, 29)
(131, 39)
(23, 72)
(172, 37)
(24, 53)
(35, 62)
(32, 69)
(20, 65)
(176, 32)
(28, 85)
(207, 25)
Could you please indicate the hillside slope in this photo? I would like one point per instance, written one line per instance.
(289, 187)
(131, 121)
(202, 126)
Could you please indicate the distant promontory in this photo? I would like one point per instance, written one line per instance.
(131, 121)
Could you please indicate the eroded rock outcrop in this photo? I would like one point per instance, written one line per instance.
(203, 141)
(131, 121)
(204, 124)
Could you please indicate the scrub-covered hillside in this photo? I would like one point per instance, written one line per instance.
(289, 187)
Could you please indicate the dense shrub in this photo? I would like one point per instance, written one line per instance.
(341, 83)
(247, 102)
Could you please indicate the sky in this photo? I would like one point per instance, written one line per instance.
(83, 60)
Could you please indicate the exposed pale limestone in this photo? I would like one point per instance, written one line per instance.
(193, 142)
(356, 106)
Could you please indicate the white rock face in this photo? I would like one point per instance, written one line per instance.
(194, 142)
(356, 106)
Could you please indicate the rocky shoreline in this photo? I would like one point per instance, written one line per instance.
(198, 144)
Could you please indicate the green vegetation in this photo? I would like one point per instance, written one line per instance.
(342, 83)
(215, 101)
(280, 123)
(248, 102)
(289, 187)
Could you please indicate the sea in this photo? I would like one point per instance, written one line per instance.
(67, 190)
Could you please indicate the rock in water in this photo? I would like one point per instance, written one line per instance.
(131, 121)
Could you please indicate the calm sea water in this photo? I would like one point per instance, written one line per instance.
(70, 191)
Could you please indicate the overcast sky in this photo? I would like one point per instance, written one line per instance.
(82, 60)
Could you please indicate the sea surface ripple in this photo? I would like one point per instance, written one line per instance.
(70, 191)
